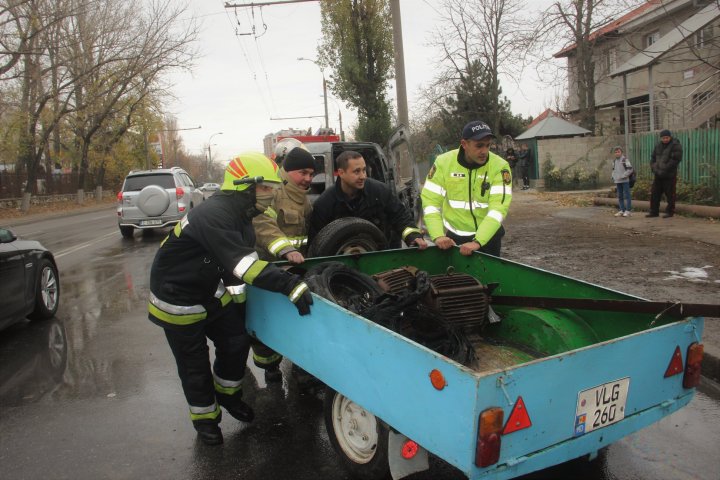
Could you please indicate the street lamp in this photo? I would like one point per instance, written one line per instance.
(327, 122)
(209, 145)
(337, 104)
(172, 141)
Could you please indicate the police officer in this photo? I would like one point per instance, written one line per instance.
(282, 232)
(467, 194)
(197, 283)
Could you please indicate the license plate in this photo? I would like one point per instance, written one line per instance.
(144, 223)
(601, 406)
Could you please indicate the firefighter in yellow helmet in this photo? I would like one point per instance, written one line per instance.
(197, 291)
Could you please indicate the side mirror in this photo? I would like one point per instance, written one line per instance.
(7, 236)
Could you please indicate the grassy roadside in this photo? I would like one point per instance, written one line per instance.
(53, 207)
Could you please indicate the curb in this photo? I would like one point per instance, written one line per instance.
(697, 210)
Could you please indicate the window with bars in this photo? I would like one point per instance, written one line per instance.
(652, 38)
(701, 98)
(611, 59)
(704, 37)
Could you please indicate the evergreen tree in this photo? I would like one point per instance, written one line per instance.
(357, 46)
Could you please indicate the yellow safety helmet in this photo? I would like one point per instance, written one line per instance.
(253, 167)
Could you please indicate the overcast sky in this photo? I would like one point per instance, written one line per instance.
(242, 81)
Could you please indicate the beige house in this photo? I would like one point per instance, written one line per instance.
(664, 57)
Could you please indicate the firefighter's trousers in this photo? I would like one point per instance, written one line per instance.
(189, 345)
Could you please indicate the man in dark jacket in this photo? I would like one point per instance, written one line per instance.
(664, 164)
(356, 195)
(197, 291)
(523, 165)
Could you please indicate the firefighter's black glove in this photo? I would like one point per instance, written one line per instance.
(300, 296)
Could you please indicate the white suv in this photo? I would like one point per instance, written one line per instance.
(155, 199)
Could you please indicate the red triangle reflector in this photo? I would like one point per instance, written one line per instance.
(676, 363)
(518, 419)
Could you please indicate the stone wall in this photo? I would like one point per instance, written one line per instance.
(586, 153)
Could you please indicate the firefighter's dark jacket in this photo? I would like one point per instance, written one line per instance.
(376, 203)
(214, 242)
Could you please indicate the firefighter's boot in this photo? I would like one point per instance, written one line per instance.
(236, 407)
(208, 432)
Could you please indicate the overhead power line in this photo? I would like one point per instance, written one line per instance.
(265, 4)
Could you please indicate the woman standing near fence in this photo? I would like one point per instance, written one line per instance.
(621, 176)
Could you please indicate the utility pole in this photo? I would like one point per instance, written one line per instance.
(342, 133)
(327, 122)
(400, 87)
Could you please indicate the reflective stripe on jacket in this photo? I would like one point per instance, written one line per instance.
(203, 263)
(467, 202)
(282, 228)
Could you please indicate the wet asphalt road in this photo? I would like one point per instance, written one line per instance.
(93, 393)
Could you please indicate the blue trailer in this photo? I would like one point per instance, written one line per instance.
(548, 386)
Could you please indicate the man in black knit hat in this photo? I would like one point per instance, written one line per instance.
(281, 231)
(664, 164)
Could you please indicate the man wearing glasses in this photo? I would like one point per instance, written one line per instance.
(467, 194)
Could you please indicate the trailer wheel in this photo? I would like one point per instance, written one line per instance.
(358, 436)
(346, 236)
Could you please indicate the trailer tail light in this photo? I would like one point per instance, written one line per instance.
(409, 449)
(693, 366)
(676, 364)
(437, 379)
(518, 419)
(490, 427)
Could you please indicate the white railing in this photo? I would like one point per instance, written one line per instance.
(689, 111)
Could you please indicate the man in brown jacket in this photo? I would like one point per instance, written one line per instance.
(281, 231)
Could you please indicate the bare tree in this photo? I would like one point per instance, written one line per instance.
(575, 22)
(35, 121)
(494, 34)
(87, 64)
(17, 33)
(118, 59)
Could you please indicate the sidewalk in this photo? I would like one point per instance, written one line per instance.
(12, 218)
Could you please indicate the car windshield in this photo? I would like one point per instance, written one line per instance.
(138, 182)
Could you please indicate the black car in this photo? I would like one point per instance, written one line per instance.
(29, 281)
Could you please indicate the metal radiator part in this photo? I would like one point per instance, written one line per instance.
(460, 299)
(396, 281)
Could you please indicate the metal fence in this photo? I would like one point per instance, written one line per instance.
(701, 155)
(12, 185)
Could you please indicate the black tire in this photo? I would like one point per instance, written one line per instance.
(358, 437)
(343, 285)
(47, 291)
(127, 232)
(346, 236)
